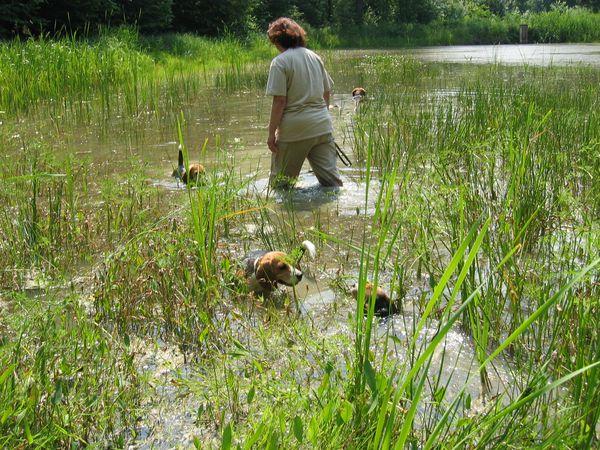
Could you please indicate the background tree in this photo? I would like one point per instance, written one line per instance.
(414, 11)
(210, 17)
(149, 15)
(594, 5)
(72, 15)
(19, 17)
(349, 12)
(213, 18)
(497, 7)
(317, 13)
(264, 11)
(380, 9)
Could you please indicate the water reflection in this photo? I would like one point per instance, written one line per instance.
(532, 54)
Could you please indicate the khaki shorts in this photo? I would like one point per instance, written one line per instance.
(320, 152)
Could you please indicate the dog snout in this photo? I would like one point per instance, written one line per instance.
(296, 275)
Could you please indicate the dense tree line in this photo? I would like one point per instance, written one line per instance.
(210, 17)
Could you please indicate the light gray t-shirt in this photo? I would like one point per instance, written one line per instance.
(299, 74)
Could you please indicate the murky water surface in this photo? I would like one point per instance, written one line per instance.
(527, 54)
(236, 124)
(531, 54)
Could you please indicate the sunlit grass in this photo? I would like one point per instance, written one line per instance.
(118, 72)
(65, 381)
(486, 205)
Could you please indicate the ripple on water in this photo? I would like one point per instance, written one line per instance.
(453, 360)
(171, 184)
(308, 194)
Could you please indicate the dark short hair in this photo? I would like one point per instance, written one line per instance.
(287, 33)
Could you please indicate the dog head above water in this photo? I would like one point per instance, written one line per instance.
(266, 270)
(383, 304)
(273, 268)
(358, 94)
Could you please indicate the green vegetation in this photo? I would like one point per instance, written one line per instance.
(573, 25)
(64, 379)
(66, 74)
(331, 24)
(479, 217)
(242, 17)
(153, 73)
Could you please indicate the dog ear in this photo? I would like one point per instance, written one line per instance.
(264, 273)
(265, 278)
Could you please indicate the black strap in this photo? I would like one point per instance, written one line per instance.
(343, 157)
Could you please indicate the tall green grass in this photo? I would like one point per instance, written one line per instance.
(55, 218)
(121, 71)
(448, 160)
(482, 188)
(371, 400)
(64, 380)
(129, 75)
(570, 25)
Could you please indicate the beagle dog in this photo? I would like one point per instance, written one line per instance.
(383, 304)
(358, 94)
(265, 270)
(192, 175)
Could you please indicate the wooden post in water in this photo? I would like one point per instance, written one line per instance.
(523, 29)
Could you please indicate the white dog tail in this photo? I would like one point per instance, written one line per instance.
(309, 247)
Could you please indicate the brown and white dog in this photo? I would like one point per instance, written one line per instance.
(358, 95)
(192, 175)
(265, 270)
(383, 304)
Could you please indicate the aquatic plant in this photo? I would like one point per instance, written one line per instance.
(479, 218)
(65, 380)
(120, 72)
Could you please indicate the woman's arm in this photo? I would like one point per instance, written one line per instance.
(326, 97)
(277, 108)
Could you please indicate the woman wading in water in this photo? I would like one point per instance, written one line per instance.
(300, 127)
